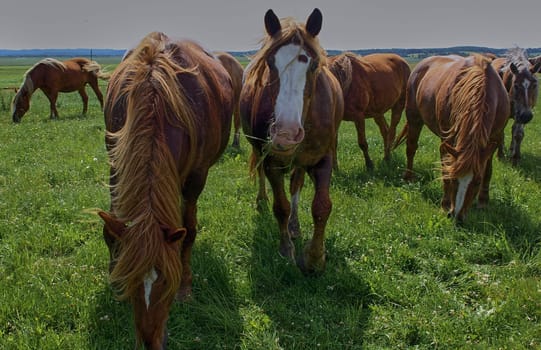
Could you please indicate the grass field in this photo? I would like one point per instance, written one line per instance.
(399, 275)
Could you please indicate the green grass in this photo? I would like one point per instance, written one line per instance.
(399, 275)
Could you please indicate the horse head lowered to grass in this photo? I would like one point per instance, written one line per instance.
(168, 118)
(291, 106)
(463, 102)
(53, 76)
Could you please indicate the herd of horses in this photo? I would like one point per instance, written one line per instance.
(169, 109)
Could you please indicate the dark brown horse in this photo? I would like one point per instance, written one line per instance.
(462, 101)
(518, 76)
(53, 76)
(168, 116)
(372, 85)
(235, 70)
(291, 106)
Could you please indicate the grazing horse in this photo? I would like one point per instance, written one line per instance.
(168, 117)
(53, 76)
(463, 101)
(518, 76)
(235, 70)
(291, 106)
(372, 85)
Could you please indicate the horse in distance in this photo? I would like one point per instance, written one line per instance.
(168, 116)
(291, 106)
(235, 70)
(462, 101)
(518, 75)
(52, 77)
(371, 86)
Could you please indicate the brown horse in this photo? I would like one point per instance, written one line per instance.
(536, 62)
(291, 106)
(463, 101)
(372, 85)
(168, 117)
(235, 70)
(518, 76)
(53, 76)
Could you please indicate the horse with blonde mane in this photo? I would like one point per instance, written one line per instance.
(518, 76)
(291, 106)
(372, 85)
(53, 76)
(235, 70)
(462, 101)
(168, 117)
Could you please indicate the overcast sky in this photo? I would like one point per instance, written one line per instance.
(238, 24)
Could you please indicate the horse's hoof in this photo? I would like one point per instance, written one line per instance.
(310, 268)
(294, 229)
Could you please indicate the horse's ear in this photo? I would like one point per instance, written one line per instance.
(272, 23)
(115, 227)
(536, 68)
(313, 24)
(172, 235)
(513, 68)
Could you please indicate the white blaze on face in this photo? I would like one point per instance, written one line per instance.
(463, 184)
(149, 280)
(292, 63)
(526, 85)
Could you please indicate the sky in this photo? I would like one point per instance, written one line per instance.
(237, 25)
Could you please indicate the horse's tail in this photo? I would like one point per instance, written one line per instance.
(97, 69)
(401, 137)
(470, 131)
(148, 179)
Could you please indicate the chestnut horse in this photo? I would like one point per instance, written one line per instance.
(518, 76)
(235, 70)
(168, 117)
(372, 85)
(463, 101)
(53, 76)
(291, 106)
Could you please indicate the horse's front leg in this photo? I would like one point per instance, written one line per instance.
(313, 255)
(52, 96)
(295, 187)
(516, 140)
(360, 125)
(281, 209)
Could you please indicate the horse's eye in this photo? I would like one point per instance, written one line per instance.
(303, 58)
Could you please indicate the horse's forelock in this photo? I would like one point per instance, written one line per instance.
(517, 56)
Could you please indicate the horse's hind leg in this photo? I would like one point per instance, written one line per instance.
(192, 190)
(236, 125)
(384, 131)
(84, 97)
(391, 132)
(361, 140)
(95, 87)
(415, 126)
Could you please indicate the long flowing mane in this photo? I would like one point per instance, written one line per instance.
(471, 125)
(147, 193)
(341, 68)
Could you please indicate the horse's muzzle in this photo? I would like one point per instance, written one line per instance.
(524, 117)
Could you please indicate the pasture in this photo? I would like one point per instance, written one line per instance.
(399, 273)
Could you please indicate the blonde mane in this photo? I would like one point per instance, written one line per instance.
(470, 131)
(148, 180)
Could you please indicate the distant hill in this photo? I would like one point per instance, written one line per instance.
(61, 52)
(406, 53)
